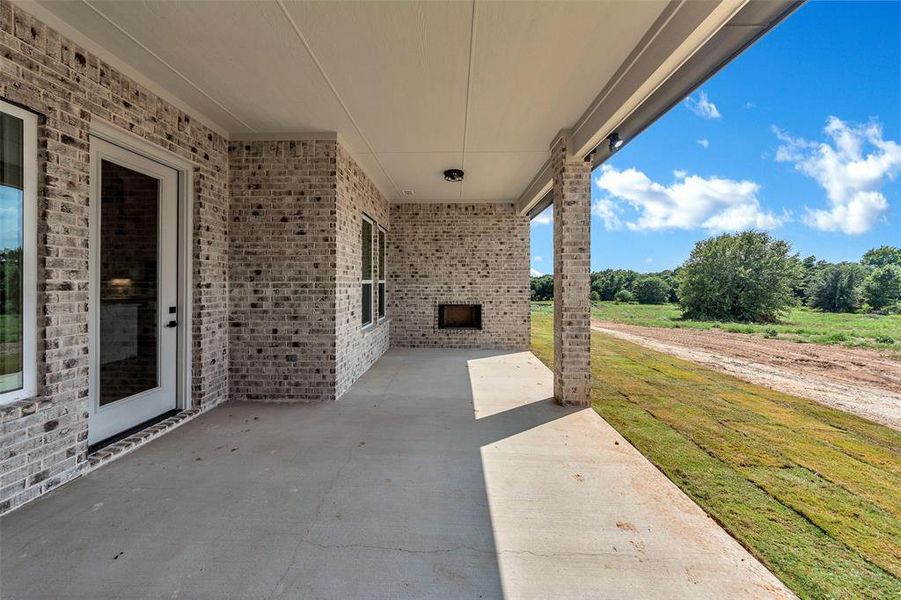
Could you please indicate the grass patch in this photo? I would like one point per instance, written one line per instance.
(802, 324)
(813, 492)
(10, 328)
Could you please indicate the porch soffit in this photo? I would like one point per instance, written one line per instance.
(411, 88)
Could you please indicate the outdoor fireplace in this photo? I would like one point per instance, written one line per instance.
(459, 316)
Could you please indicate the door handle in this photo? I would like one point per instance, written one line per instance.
(172, 324)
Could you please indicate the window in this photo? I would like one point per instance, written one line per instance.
(382, 236)
(367, 272)
(18, 239)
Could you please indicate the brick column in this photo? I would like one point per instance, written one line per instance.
(572, 258)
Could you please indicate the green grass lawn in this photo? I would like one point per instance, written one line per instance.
(10, 328)
(814, 493)
(10, 354)
(801, 325)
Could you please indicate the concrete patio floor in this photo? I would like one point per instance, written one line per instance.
(440, 474)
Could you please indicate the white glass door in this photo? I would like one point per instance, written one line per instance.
(134, 289)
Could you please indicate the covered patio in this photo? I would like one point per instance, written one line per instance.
(294, 238)
(440, 474)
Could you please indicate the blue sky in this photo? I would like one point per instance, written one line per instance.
(800, 136)
(10, 217)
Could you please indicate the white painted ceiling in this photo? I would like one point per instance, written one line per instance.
(412, 88)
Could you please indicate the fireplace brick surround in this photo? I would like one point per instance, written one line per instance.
(458, 254)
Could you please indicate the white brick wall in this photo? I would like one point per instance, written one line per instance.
(458, 253)
(356, 349)
(295, 265)
(282, 270)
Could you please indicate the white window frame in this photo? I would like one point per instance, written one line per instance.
(29, 253)
(363, 280)
(381, 275)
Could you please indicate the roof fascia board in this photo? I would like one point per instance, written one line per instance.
(674, 39)
(540, 186)
(746, 27)
(746, 22)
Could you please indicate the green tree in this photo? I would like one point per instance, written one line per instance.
(542, 288)
(651, 290)
(671, 279)
(837, 287)
(810, 269)
(624, 296)
(883, 286)
(11, 281)
(609, 281)
(879, 257)
(744, 276)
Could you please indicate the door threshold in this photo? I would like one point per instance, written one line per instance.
(131, 431)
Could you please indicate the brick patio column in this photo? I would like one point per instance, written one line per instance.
(572, 309)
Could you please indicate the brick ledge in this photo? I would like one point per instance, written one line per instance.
(124, 446)
(23, 408)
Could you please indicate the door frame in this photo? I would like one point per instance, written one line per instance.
(111, 134)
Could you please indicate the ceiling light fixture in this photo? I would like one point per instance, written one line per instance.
(615, 142)
(453, 175)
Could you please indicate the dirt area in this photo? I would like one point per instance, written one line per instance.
(863, 382)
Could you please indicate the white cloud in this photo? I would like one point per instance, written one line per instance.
(545, 217)
(690, 202)
(536, 259)
(10, 217)
(749, 105)
(703, 143)
(702, 106)
(605, 209)
(853, 217)
(535, 272)
(648, 260)
(851, 167)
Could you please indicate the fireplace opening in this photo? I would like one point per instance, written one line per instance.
(459, 316)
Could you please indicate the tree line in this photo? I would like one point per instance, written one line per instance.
(621, 285)
(11, 281)
(751, 276)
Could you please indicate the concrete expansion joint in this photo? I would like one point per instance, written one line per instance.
(319, 506)
(459, 548)
(451, 550)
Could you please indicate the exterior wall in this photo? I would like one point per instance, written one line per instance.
(357, 349)
(458, 253)
(282, 270)
(43, 441)
(294, 271)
